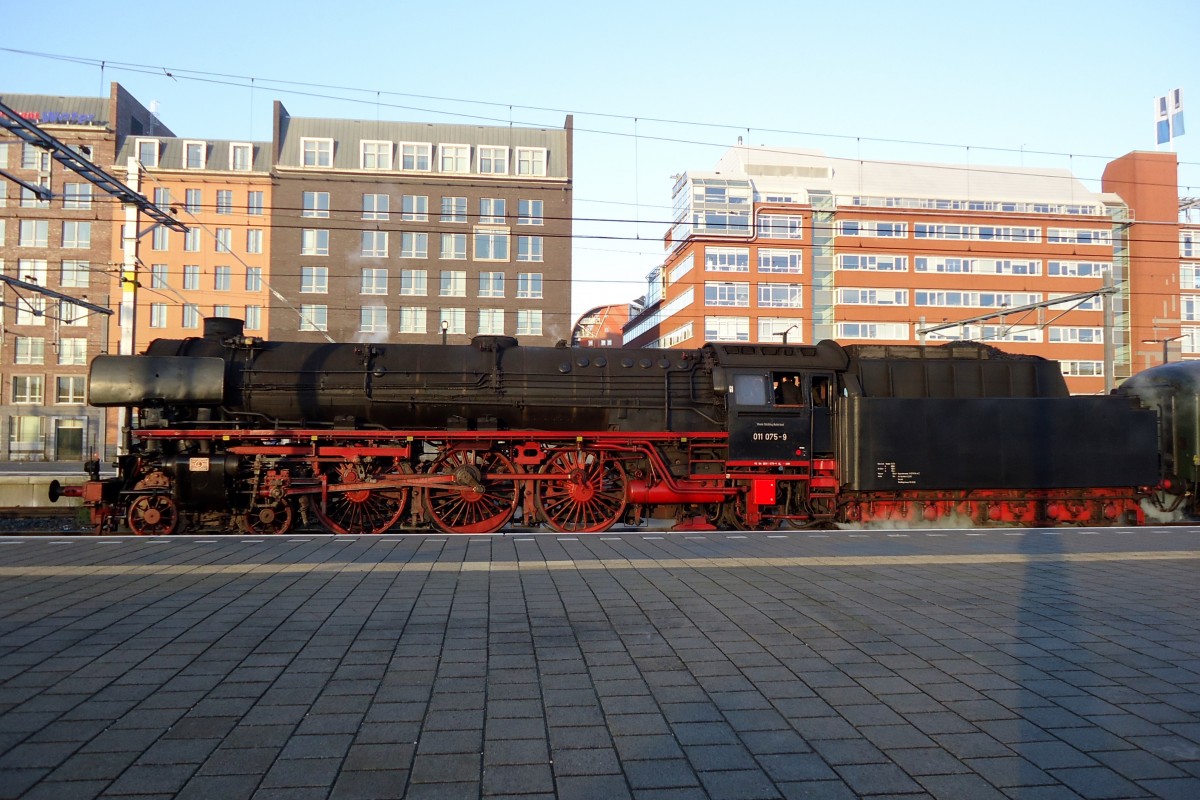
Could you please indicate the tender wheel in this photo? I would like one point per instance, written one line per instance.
(153, 515)
(367, 511)
(270, 520)
(589, 494)
(473, 503)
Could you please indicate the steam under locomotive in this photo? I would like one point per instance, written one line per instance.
(237, 433)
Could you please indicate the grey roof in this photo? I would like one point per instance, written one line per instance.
(54, 110)
(348, 133)
(171, 150)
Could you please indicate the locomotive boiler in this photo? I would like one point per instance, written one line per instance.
(241, 434)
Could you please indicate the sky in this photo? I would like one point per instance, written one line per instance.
(656, 88)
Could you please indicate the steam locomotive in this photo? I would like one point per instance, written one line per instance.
(240, 434)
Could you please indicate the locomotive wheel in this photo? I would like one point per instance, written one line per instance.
(472, 504)
(153, 515)
(588, 496)
(365, 511)
(270, 520)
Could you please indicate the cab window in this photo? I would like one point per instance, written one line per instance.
(750, 390)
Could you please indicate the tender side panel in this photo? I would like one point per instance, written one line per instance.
(900, 444)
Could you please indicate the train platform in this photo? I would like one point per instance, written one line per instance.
(826, 664)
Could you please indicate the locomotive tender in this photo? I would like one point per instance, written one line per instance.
(241, 434)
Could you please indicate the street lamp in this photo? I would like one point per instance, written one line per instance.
(445, 329)
(1164, 343)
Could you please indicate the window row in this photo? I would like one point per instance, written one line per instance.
(415, 283)
(36, 233)
(72, 273)
(737, 259)
(30, 390)
(771, 330)
(237, 156)
(418, 319)
(488, 245)
(190, 316)
(770, 295)
(462, 159)
(415, 208)
(222, 239)
(36, 309)
(193, 201)
(72, 351)
(191, 278)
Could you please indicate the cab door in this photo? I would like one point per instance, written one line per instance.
(820, 390)
(762, 431)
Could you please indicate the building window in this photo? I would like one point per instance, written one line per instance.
(374, 244)
(412, 319)
(454, 283)
(30, 350)
(72, 352)
(72, 314)
(374, 281)
(194, 155)
(162, 197)
(376, 155)
(493, 160)
(529, 212)
(254, 203)
(376, 206)
(34, 157)
(314, 318)
(314, 280)
(76, 235)
(454, 158)
(727, 259)
(191, 276)
(415, 208)
(414, 245)
(192, 201)
(531, 161)
(224, 240)
(779, 226)
(727, 294)
(191, 240)
(224, 201)
(222, 311)
(780, 295)
(241, 157)
(77, 196)
(491, 245)
(491, 210)
(779, 260)
(36, 233)
(885, 297)
(314, 242)
(158, 315)
(373, 319)
(412, 282)
(160, 240)
(191, 315)
(772, 329)
(316, 204)
(147, 152)
(316, 152)
(158, 275)
(25, 438)
(69, 390)
(253, 318)
(491, 321)
(455, 319)
(77, 274)
(28, 389)
(529, 248)
(253, 279)
(529, 285)
(897, 331)
(529, 322)
(223, 279)
(876, 262)
(491, 284)
(31, 310)
(454, 209)
(415, 156)
(254, 241)
(727, 329)
(454, 246)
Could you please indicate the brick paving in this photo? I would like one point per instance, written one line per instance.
(949, 664)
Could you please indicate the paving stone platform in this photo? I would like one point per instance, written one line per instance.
(947, 664)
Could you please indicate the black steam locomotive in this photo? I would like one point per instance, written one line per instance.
(237, 433)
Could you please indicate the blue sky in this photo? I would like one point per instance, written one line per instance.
(1060, 84)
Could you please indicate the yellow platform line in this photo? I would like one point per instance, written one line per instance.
(609, 564)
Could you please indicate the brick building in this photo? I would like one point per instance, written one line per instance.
(783, 245)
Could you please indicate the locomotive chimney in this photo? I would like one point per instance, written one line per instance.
(219, 329)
